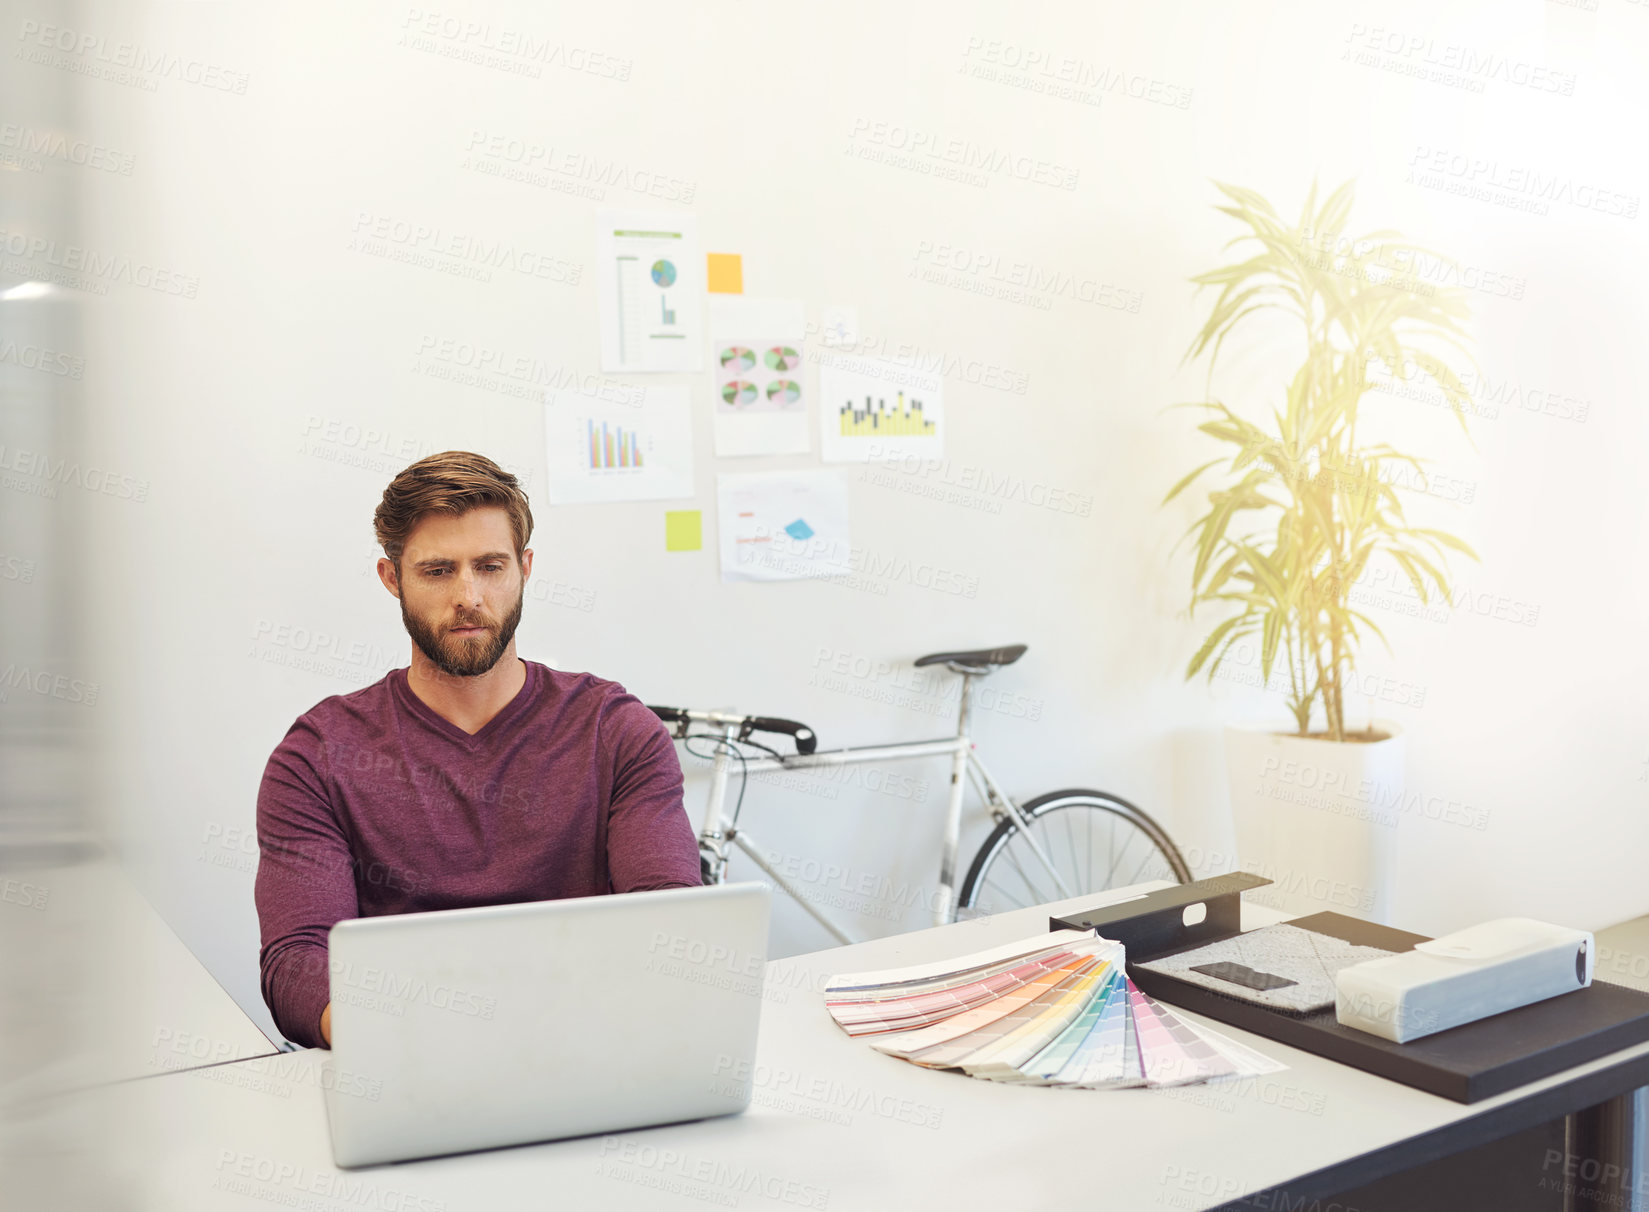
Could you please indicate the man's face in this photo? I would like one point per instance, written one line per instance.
(462, 590)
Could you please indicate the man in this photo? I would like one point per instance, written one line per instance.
(471, 777)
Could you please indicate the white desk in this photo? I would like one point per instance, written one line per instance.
(835, 1125)
(100, 990)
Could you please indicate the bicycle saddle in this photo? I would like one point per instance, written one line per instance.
(978, 658)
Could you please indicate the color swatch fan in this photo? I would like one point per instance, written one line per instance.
(1055, 1010)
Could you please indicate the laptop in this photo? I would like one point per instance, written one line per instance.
(467, 1029)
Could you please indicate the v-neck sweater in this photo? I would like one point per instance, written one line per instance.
(374, 804)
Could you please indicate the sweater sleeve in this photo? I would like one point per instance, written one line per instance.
(650, 842)
(305, 883)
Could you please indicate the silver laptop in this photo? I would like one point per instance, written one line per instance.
(475, 1028)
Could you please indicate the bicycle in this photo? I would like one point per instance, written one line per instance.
(997, 879)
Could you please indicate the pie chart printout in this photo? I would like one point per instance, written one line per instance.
(760, 347)
(738, 358)
(664, 273)
(737, 393)
(782, 357)
(759, 377)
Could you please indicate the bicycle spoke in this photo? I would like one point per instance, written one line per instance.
(1036, 893)
(1088, 833)
(1017, 904)
(1071, 837)
(1004, 877)
(1134, 879)
(1118, 859)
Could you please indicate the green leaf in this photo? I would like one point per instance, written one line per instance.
(1268, 649)
(1442, 539)
(1207, 648)
(1407, 565)
(1175, 490)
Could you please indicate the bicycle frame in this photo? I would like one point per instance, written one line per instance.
(716, 832)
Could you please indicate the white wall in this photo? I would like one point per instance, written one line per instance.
(224, 402)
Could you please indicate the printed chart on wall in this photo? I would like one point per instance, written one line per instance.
(783, 526)
(872, 408)
(760, 404)
(649, 282)
(604, 450)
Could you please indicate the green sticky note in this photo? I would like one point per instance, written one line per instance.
(683, 530)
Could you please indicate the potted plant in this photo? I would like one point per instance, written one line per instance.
(1303, 512)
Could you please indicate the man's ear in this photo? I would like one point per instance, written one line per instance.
(526, 563)
(386, 574)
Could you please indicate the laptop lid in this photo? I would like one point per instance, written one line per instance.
(475, 1028)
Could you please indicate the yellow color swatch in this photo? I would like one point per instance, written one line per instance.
(726, 274)
(683, 530)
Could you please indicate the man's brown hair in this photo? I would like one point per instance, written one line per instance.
(453, 482)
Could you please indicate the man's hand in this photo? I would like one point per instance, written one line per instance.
(326, 1024)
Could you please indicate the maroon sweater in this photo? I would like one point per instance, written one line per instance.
(374, 804)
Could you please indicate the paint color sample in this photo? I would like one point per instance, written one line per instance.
(1054, 1010)
(1108, 1057)
(1173, 1051)
(969, 1020)
(947, 970)
(1015, 1049)
(990, 1041)
(895, 1014)
(726, 273)
(683, 530)
(1058, 1053)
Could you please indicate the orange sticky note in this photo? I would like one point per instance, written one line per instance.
(726, 274)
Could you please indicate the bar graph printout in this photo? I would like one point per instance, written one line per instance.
(650, 288)
(878, 408)
(635, 448)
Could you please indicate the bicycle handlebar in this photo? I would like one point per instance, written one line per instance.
(805, 738)
(806, 741)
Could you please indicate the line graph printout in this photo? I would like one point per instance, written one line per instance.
(650, 288)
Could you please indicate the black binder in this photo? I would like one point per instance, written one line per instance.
(1466, 1063)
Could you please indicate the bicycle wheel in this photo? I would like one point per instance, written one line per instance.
(1095, 840)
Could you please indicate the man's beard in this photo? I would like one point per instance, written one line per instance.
(463, 656)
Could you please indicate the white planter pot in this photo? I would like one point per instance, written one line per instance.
(1318, 818)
